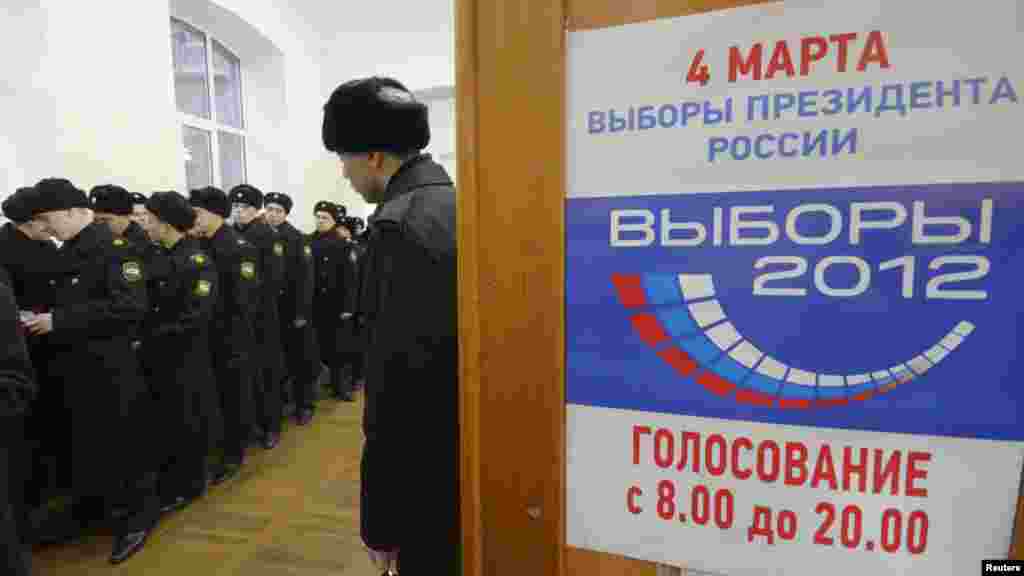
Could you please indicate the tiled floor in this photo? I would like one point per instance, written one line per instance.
(292, 511)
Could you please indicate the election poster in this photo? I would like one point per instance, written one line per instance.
(795, 259)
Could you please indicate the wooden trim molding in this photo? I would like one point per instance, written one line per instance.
(591, 14)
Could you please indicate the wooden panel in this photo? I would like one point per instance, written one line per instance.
(510, 154)
(469, 296)
(589, 14)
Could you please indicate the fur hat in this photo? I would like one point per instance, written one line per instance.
(54, 194)
(111, 199)
(374, 115)
(281, 200)
(246, 194)
(172, 208)
(211, 199)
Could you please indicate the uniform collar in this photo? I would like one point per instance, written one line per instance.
(416, 172)
(90, 236)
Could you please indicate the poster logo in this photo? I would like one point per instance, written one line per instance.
(681, 318)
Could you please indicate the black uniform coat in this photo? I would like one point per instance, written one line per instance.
(329, 292)
(409, 300)
(296, 301)
(101, 303)
(232, 333)
(177, 346)
(16, 387)
(270, 265)
(33, 266)
(153, 256)
(156, 262)
(350, 336)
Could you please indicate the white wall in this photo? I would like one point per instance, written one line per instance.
(310, 172)
(87, 87)
(441, 102)
(411, 41)
(87, 97)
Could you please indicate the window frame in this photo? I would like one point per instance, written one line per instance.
(212, 125)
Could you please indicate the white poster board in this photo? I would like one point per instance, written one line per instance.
(794, 237)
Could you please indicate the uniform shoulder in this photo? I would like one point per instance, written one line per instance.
(124, 248)
(197, 257)
(246, 249)
(425, 216)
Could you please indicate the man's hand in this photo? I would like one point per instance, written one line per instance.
(300, 322)
(40, 324)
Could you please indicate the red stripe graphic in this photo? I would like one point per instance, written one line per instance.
(754, 398)
(629, 288)
(631, 292)
(649, 329)
(679, 360)
(715, 383)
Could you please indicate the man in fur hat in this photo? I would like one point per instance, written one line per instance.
(378, 130)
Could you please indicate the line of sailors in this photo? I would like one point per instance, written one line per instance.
(166, 334)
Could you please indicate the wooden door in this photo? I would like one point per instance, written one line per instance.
(510, 84)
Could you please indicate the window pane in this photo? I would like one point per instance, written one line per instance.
(227, 84)
(190, 88)
(232, 159)
(198, 164)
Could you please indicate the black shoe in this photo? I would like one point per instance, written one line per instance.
(171, 504)
(125, 546)
(305, 417)
(270, 440)
(225, 473)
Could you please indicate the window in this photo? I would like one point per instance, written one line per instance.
(208, 95)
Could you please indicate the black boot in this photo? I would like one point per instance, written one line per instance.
(304, 416)
(127, 545)
(170, 504)
(225, 472)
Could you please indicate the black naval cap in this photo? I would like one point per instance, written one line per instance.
(281, 200)
(247, 194)
(54, 194)
(328, 207)
(172, 208)
(374, 115)
(138, 198)
(17, 207)
(211, 199)
(111, 199)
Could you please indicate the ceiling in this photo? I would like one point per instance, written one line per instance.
(411, 41)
